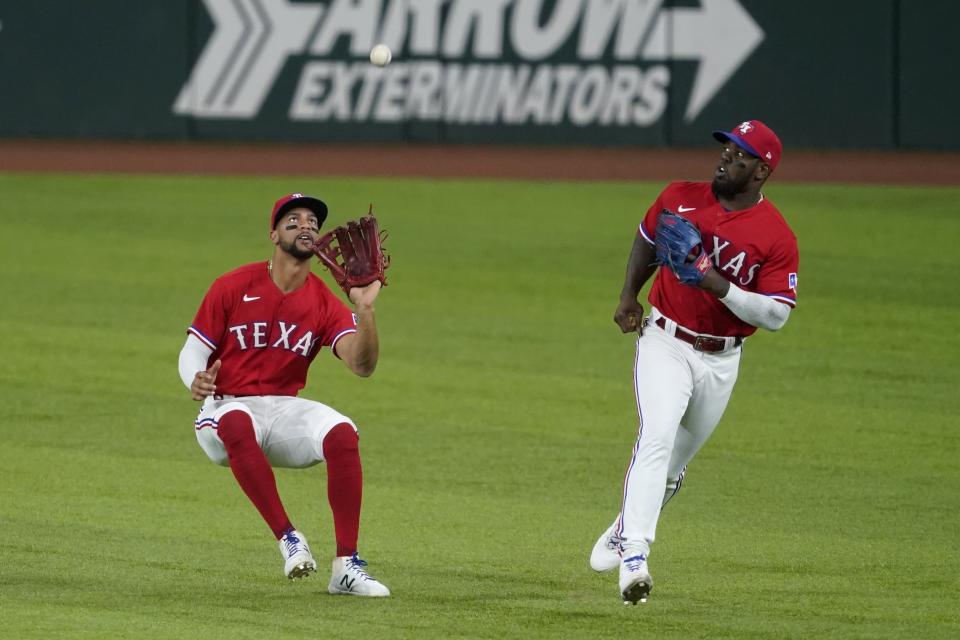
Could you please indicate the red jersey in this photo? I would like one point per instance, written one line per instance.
(266, 339)
(753, 248)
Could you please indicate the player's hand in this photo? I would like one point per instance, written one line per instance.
(629, 316)
(204, 382)
(364, 296)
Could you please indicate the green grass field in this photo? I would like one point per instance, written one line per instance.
(495, 432)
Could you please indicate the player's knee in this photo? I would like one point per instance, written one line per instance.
(341, 441)
(236, 429)
(654, 449)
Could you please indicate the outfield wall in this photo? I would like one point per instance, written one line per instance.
(851, 74)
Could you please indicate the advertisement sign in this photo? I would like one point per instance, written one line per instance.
(470, 62)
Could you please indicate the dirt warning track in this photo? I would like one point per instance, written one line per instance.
(461, 161)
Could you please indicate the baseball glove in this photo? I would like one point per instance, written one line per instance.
(354, 253)
(680, 248)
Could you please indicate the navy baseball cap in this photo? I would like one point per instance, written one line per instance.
(755, 138)
(295, 200)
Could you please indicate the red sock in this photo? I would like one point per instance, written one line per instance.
(344, 485)
(252, 470)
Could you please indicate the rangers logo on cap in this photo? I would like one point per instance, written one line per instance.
(284, 204)
(755, 138)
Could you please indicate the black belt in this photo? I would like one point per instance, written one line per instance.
(708, 344)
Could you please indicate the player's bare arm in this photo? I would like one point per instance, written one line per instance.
(640, 266)
(715, 283)
(204, 382)
(361, 350)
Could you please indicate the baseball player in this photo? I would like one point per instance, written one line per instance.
(246, 357)
(740, 275)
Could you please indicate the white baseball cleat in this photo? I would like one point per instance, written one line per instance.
(606, 552)
(350, 579)
(298, 562)
(635, 580)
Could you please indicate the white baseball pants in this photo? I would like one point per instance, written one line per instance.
(290, 430)
(681, 395)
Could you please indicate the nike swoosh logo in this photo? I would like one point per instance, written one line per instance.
(247, 298)
(683, 209)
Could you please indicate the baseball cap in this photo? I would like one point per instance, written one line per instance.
(757, 139)
(295, 200)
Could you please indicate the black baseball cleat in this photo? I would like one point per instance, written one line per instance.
(637, 593)
(635, 580)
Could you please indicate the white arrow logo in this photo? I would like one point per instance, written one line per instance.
(720, 34)
(249, 45)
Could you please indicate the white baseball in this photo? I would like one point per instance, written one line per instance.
(380, 55)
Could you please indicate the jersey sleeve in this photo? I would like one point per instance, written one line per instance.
(778, 274)
(338, 322)
(648, 225)
(210, 323)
